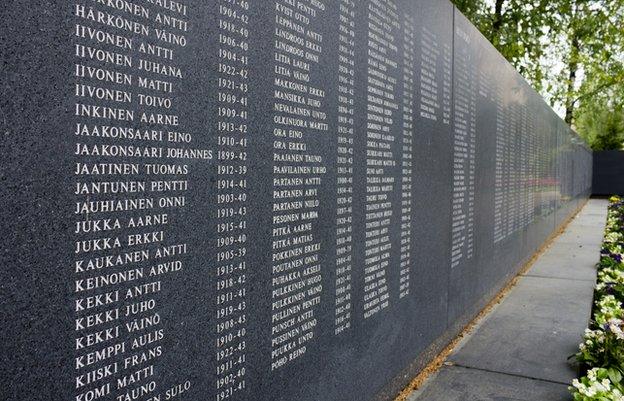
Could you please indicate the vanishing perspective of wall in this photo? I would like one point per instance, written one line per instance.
(260, 200)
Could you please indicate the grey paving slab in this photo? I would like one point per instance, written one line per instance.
(575, 253)
(592, 216)
(597, 203)
(590, 222)
(460, 384)
(566, 261)
(594, 208)
(533, 331)
(582, 234)
(593, 213)
(590, 219)
(562, 248)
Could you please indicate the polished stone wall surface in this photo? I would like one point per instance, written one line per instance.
(276, 200)
(608, 173)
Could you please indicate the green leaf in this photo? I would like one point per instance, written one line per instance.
(614, 375)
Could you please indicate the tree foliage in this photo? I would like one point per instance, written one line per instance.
(572, 51)
(517, 28)
(601, 121)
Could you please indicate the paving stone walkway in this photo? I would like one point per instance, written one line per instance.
(519, 350)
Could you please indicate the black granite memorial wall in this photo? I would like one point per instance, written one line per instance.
(608, 173)
(259, 200)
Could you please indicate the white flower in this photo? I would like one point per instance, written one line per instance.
(617, 396)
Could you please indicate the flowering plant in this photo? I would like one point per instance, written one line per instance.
(608, 308)
(599, 385)
(612, 249)
(603, 347)
(610, 259)
(614, 237)
(610, 282)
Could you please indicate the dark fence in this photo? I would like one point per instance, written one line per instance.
(260, 200)
(608, 178)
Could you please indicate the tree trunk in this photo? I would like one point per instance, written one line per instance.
(572, 70)
(497, 22)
